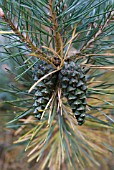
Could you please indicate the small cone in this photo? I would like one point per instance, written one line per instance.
(73, 84)
(43, 89)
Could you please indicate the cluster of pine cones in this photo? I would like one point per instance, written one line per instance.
(70, 79)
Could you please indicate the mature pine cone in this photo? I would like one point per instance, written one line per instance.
(44, 89)
(72, 81)
(73, 84)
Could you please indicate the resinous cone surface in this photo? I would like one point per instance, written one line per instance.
(44, 89)
(73, 84)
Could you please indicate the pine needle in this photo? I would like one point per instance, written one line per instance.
(7, 32)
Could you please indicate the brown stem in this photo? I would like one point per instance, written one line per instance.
(57, 35)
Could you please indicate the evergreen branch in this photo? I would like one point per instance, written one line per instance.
(57, 139)
(99, 32)
(57, 35)
(21, 36)
(27, 40)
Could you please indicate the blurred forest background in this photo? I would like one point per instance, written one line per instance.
(11, 156)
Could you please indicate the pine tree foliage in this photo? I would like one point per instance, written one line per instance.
(63, 55)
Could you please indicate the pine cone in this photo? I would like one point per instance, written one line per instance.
(73, 83)
(44, 89)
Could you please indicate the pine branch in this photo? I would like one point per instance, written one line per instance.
(64, 29)
(55, 28)
(99, 32)
(88, 44)
(26, 39)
